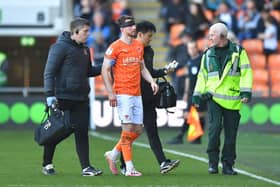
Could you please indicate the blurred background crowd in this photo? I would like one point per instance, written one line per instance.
(252, 23)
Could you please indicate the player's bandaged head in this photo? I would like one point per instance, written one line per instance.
(126, 21)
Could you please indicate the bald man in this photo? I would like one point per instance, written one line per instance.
(225, 82)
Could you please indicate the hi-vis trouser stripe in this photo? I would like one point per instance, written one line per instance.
(225, 97)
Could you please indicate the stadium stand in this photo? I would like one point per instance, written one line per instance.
(253, 46)
(258, 61)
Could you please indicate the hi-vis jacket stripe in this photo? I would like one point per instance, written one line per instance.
(227, 86)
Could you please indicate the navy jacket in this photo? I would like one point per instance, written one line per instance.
(147, 92)
(67, 70)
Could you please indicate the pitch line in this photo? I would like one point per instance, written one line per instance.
(106, 137)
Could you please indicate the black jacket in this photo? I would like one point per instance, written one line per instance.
(147, 92)
(193, 65)
(67, 70)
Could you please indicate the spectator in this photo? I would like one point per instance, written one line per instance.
(118, 8)
(98, 26)
(84, 9)
(248, 22)
(193, 65)
(269, 37)
(265, 13)
(213, 5)
(196, 21)
(99, 47)
(177, 52)
(175, 14)
(225, 15)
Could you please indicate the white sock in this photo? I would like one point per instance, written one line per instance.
(129, 165)
(114, 154)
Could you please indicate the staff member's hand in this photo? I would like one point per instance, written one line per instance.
(112, 100)
(154, 87)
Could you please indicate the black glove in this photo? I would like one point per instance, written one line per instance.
(206, 97)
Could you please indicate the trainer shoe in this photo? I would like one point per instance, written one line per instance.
(111, 162)
(133, 173)
(91, 171)
(48, 170)
(168, 165)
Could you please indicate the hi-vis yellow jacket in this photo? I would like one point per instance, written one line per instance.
(234, 83)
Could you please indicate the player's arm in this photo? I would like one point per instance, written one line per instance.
(108, 81)
(148, 77)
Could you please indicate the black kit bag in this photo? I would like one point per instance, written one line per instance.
(51, 128)
(166, 96)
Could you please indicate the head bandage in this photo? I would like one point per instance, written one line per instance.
(127, 23)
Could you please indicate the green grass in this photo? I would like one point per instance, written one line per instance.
(21, 158)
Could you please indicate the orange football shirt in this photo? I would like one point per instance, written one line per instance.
(126, 66)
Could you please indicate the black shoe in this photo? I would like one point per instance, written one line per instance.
(228, 170)
(213, 168)
(48, 170)
(168, 165)
(175, 140)
(91, 171)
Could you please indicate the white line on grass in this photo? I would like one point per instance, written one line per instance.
(106, 137)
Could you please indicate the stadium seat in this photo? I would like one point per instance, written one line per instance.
(258, 61)
(253, 46)
(260, 90)
(274, 61)
(260, 76)
(275, 90)
(274, 75)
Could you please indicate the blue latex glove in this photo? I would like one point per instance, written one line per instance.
(51, 100)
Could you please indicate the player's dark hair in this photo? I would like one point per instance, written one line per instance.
(77, 24)
(145, 26)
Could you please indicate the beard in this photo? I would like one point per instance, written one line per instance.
(132, 34)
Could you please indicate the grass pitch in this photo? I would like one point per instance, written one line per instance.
(21, 158)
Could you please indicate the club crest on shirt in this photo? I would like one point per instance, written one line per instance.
(139, 49)
(126, 116)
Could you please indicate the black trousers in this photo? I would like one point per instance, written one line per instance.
(150, 125)
(221, 118)
(79, 117)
